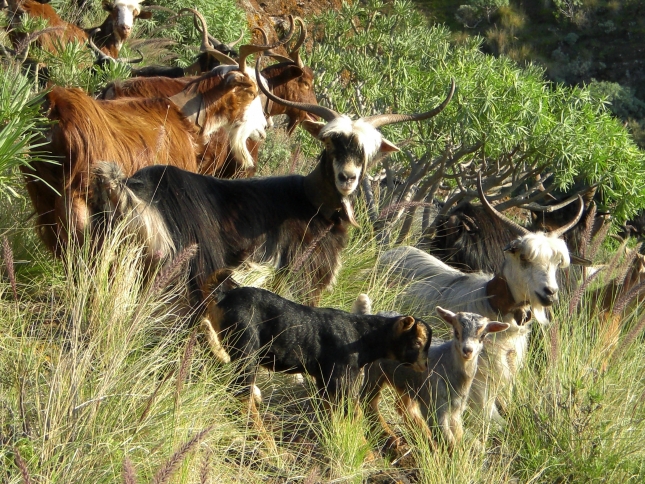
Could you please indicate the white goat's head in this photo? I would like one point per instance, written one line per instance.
(123, 13)
(351, 144)
(531, 260)
(469, 331)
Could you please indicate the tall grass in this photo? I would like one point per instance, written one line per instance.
(101, 381)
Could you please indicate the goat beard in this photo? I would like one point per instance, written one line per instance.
(349, 211)
(539, 311)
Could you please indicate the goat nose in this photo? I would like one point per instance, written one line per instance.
(549, 291)
(468, 352)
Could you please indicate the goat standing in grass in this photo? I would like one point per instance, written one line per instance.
(524, 288)
(260, 328)
(440, 395)
(284, 221)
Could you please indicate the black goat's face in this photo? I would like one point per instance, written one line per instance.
(351, 145)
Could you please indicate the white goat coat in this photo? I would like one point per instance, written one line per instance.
(437, 284)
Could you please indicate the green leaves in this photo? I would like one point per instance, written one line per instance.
(392, 60)
(19, 118)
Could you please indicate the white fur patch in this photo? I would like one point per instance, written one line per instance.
(252, 125)
(126, 11)
(368, 137)
(541, 246)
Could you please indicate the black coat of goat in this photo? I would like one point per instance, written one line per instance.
(292, 221)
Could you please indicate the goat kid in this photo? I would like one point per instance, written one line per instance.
(297, 221)
(134, 133)
(439, 396)
(523, 289)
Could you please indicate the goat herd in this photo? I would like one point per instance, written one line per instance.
(160, 152)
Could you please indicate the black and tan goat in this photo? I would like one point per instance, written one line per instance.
(284, 221)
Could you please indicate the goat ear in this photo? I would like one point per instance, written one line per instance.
(218, 283)
(404, 324)
(313, 127)
(388, 146)
(145, 14)
(107, 5)
(448, 316)
(237, 79)
(496, 327)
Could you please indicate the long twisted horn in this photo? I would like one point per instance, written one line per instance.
(516, 228)
(383, 119)
(22, 50)
(570, 225)
(269, 53)
(325, 113)
(103, 57)
(248, 49)
(295, 52)
(197, 15)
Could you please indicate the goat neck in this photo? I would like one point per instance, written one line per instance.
(321, 192)
(501, 299)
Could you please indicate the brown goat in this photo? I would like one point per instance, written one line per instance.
(134, 133)
(217, 159)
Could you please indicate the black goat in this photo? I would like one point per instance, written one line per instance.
(261, 328)
(278, 220)
(469, 238)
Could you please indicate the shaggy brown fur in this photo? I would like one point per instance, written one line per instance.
(131, 132)
(286, 80)
(48, 41)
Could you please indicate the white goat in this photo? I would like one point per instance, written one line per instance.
(440, 395)
(525, 287)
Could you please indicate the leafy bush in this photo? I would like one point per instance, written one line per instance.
(19, 121)
(390, 60)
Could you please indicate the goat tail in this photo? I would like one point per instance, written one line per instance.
(218, 284)
(362, 305)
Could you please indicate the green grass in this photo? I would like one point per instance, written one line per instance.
(98, 371)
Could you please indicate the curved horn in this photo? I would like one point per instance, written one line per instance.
(222, 57)
(325, 113)
(197, 15)
(383, 119)
(552, 208)
(212, 41)
(130, 60)
(263, 34)
(22, 50)
(268, 53)
(295, 52)
(516, 228)
(248, 49)
(233, 44)
(570, 225)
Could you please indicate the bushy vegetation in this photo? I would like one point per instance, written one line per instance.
(104, 380)
(577, 41)
(377, 58)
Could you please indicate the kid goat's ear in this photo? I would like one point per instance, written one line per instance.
(496, 327)
(448, 316)
(404, 324)
(218, 283)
